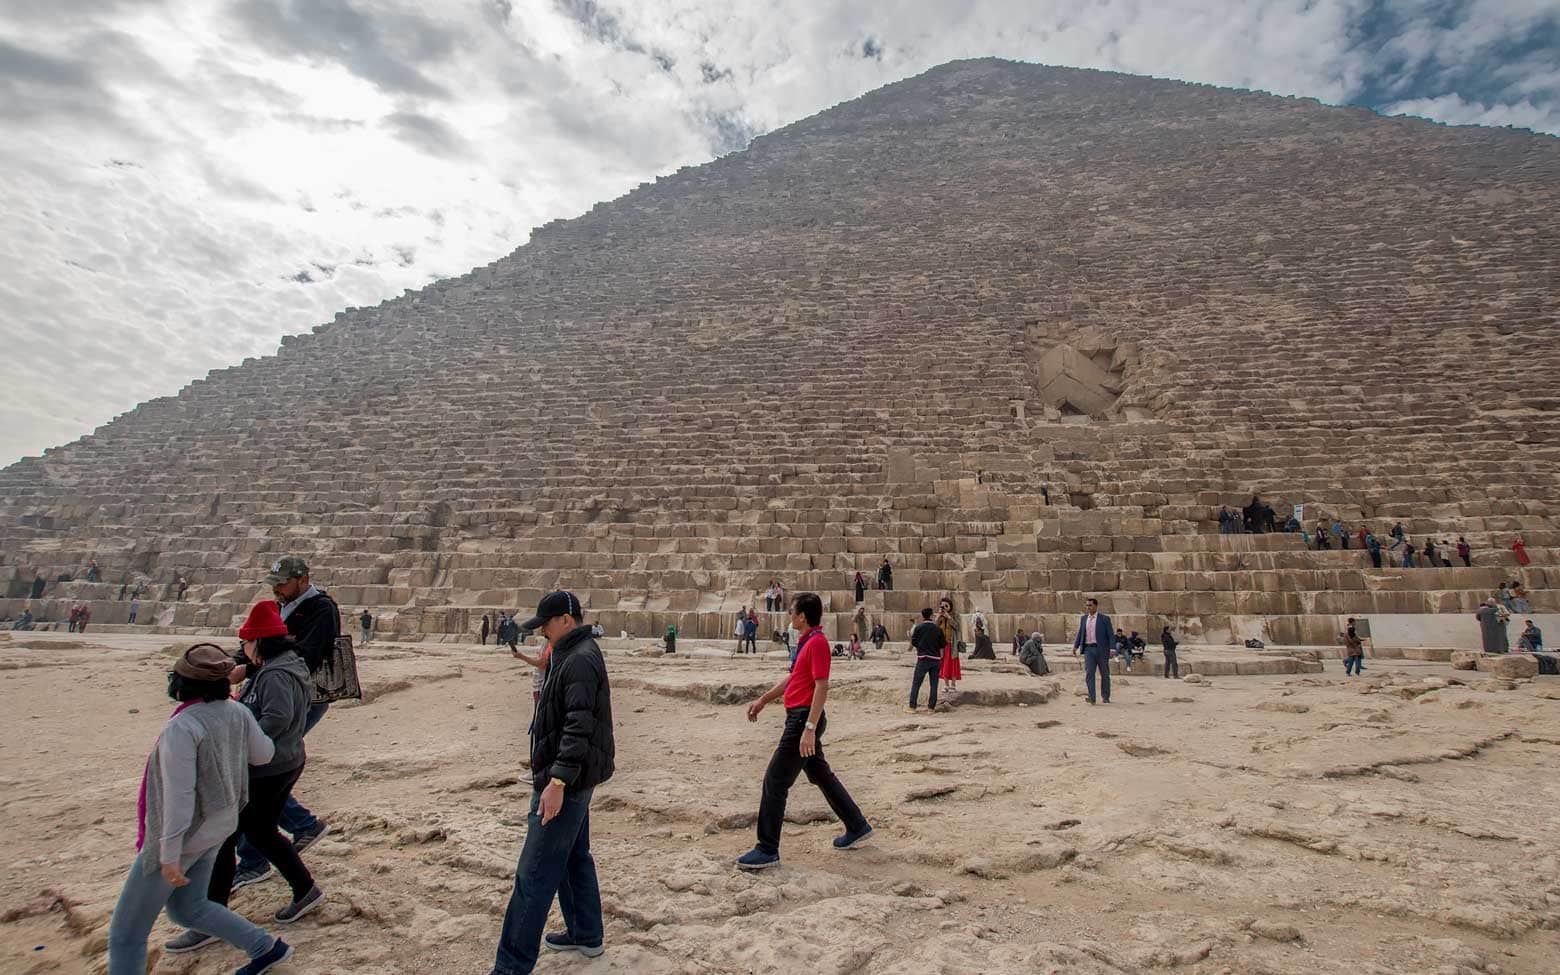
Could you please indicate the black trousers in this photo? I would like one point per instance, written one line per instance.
(1172, 668)
(257, 823)
(925, 667)
(786, 764)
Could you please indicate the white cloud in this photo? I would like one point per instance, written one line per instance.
(183, 182)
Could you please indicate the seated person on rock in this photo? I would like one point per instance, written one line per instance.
(1531, 640)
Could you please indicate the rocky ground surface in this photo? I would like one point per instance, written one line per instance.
(1401, 822)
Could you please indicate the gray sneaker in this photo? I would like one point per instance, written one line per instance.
(302, 841)
(190, 941)
(303, 905)
(251, 875)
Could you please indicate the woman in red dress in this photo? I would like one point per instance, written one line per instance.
(1520, 548)
(948, 622)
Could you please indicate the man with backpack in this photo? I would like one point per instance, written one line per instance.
(314, 621)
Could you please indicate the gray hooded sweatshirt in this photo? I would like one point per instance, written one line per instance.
(278, 696)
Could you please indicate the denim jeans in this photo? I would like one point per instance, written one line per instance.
(925, 667)
(1172, 666)
(1351, 665)
(143, 898)
(1096, 659)
(555, 861)
(295, 818)
(785, 765)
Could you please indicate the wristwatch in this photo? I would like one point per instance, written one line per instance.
(810, 726)
(558, 782)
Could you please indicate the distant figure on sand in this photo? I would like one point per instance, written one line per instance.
(927, 641)
(485, 630)
(366, 621)
(983, 647)
(1095, 638)
(948, 622)
(804, 692)
(1032, 655)
(1168, 644)
(1353, 650)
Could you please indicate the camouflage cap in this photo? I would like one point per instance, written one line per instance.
(290, 567)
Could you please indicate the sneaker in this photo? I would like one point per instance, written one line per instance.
(563, 941)
(251, 875)
(190, 941)
(756, 859)
(280, 952)
(849, 840)
(912, 710)
(303, 905)
(302, 841)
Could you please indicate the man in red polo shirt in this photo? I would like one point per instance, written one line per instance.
(804, 689)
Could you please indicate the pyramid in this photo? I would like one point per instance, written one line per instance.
(1020, 329)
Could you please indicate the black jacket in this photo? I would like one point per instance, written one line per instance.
(928, 639)
(571, 733)
(315, 624)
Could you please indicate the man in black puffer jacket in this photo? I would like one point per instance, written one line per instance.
(572, 752)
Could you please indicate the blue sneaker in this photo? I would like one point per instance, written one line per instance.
(564, 941)
(756, 859)
(280, 952)
(849, 840)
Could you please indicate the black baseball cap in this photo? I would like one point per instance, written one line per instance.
(552, 605)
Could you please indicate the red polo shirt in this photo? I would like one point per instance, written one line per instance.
(812, 666)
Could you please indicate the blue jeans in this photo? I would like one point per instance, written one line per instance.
(143, 898)
(1096, 659)
(1352, 665)
(925, 667)
(295, 818)
(555, 860)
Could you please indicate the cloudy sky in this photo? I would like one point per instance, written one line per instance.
(183, 182)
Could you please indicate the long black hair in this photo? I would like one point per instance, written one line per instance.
(274, 646)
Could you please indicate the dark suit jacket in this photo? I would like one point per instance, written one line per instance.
(1104, 633)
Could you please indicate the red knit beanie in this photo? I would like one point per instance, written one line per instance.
(265, 619)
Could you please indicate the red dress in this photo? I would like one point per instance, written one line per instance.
(950, 658)
(1520, 547)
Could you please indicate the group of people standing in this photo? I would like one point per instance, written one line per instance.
(218, 783)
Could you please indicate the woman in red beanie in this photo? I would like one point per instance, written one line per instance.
(278, 695)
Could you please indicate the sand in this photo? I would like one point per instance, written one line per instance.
(1403, 822)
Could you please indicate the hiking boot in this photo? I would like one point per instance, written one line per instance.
(756, 859)
(190, 941)
(563, 941)
(849, 840)
(305, 839)
(280, 952)
(303, 905)
(251, 875)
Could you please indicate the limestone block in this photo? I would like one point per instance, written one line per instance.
(1465, 659)
(1509, 665)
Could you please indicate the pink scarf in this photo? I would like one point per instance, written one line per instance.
(140, 802)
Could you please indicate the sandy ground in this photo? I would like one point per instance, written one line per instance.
(1404, 822)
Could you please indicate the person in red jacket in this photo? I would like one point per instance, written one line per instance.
(804, 690)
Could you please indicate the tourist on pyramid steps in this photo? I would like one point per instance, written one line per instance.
(1045, 494)
(1123, 649)
(122, 590)
(135, 608)
(1464, 551)
(879, 636)
(184, 587)
(1373, 546)
(193, 785)
(853, 649)
(861, 588)
(366, 621)
(1226, 522)
(1492, 627)
(94, 574)
(485, 630)
(804, 692)
(1363, 534)
(1504, 595)
(1519, 547)
(278, 695)
(671, 638)
(739, 629)
(84, 618)
(771, 597)
(1409, 561)
(75, 614)
(750, 633)
(314, 622)
(1432, 560)
(885, 575)
(859, 621)
(38, 584)
(1519, 597)
(1322, 544)
(1292, 526)
(1340, 533)
(1398, 534)
(948, 622)
(1032, 655)
(984, 650)
(1094, 639)
(1168, 643)
(572, 752)
(928, 642)
(1531, 639)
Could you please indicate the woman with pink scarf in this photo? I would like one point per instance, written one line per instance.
(195, 783)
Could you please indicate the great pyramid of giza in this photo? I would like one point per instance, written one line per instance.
(1020, 329)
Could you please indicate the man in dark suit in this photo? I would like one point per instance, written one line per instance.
(1095, 638)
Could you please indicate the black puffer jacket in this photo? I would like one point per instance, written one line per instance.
(571, 734)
